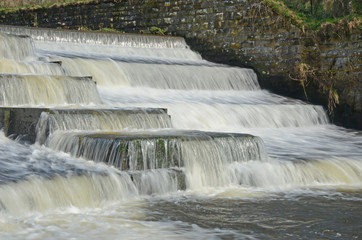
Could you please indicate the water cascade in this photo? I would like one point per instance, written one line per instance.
(135, 136)
(123, 40)
(100, 119)
(47, 90)
(30, 67)
(150, 150)
(163, 75)
(23, 50)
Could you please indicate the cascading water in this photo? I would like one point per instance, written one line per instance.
(100, 119)
(163, 76)
(30, 67)
(47, 90)
(155, 52)
(23, 50)
(154, 176)
(121, 40)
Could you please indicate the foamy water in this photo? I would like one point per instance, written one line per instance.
(300, 178)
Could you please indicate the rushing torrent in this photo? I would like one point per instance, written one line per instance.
(226, 160)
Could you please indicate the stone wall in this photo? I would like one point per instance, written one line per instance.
(244, 33)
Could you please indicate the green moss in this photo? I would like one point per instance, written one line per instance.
(123, 149)
(279, 7)
(157, 31)
(6, 120)
(314, 23)
(161, 151)
(110, 30)
(357, 7)
(138, 149)
(303, 15)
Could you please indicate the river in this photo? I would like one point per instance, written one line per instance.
(256, 165)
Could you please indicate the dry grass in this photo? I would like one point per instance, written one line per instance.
(338, 30)
(304, 73)
(355, 23)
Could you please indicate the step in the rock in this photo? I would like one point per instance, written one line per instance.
(47, 90)
(36, 123)
(144, 150)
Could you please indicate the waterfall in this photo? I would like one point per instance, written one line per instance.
(104, 72)
(144, 52)
(219, 98)
(204, 156)
(122, 40)
(33, 68)
(206, 161)
(283, 175)
(46, 90)
(138, 137)
(90, 190)
(16, 47)
(209, 161)
(163, 76)
(246, 116)
(100, 119)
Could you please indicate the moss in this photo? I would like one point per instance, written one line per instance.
(157, 31)
(138, 149)
(6, 121)
(123, 149)
(357, 7)
(304, 17)
(110, 30)
(161, 153)
(280, 8)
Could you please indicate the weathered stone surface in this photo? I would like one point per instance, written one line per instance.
(20, 122)
(241, 33)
